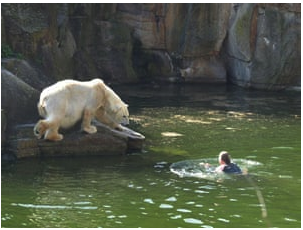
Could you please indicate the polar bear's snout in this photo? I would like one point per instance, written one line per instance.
(122, 114)
(125, 120)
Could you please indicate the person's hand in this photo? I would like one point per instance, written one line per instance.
(206, 165)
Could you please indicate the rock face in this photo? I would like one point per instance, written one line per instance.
(196, 33)
(263, 46)
(252, 45)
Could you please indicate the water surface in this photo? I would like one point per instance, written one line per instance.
(188, 123)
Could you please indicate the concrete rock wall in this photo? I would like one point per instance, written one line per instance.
(251, 45)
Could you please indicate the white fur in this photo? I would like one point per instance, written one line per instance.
(68, 101)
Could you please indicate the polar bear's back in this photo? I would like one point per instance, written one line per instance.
(63, 91)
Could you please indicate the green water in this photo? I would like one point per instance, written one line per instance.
(139, 190)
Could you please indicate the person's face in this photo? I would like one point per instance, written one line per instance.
(219, 160)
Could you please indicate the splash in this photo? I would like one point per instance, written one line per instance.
(205, 168)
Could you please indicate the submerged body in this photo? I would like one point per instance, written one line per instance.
(229, 168)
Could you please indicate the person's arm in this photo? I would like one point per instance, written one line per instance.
(220, 168)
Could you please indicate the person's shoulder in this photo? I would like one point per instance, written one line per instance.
(234, 165)
(232, 168)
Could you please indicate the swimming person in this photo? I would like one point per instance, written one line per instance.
(226, 165)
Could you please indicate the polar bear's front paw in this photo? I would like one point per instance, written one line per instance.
(119, 127)
(91, 129)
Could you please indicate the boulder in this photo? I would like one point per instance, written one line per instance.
(18, 99)
(23, 144)
(26, 72)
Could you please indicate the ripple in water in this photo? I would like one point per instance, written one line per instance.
(165, 206)
(192, 221)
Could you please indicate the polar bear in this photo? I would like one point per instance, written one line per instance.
(68, 101)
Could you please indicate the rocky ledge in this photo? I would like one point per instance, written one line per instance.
(22, 143)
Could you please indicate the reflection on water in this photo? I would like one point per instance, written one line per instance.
(183, 124)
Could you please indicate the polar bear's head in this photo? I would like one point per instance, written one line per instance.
(120, 114)
(115, 107)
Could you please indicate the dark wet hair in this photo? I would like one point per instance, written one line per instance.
(224, 156)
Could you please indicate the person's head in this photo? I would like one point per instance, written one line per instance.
(224, 157)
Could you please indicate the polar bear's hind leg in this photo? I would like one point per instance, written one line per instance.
(40, 128)
(52, 133)
(48, 129)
